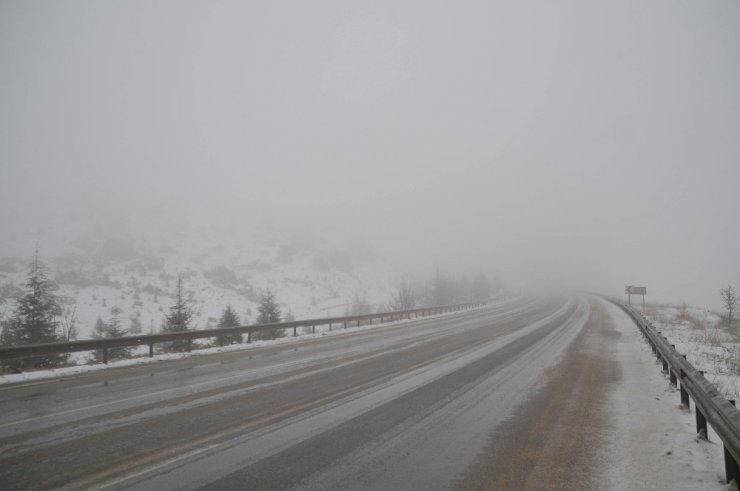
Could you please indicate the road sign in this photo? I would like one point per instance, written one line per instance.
(635, 290)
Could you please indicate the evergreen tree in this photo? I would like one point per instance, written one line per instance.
(108, 330)
(229, 318)
(268, 312)
(181, 314)
(180, 317)
(35, 318)
(100, 329)
(115, 326)
(136, 326)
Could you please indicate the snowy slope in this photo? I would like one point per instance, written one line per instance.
(99, 267)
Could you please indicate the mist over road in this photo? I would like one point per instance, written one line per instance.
(413, 405)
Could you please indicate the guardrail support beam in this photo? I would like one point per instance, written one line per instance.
(685, 397)
(732, 470)
(701, 425)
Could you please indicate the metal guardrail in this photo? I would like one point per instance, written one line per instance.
(709, 404)
(37, 350)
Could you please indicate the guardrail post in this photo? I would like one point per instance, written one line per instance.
(295, 331)
(105, 355)
(249, 337)
(732, 470)
(701, 425)
(685, 397)
(151, 350)
(190, 344)
(665, 365)
(382, 319)
(672, 375)
(345, 324)
(330, 327)
(313, 329)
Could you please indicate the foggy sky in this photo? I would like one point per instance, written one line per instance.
(572, 144)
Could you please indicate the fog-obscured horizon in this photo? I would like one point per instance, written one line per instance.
(575, 145)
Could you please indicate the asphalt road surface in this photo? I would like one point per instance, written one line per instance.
(502, 397)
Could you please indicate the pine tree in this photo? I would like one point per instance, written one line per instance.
(136, 326)
(180, 317)
(268, 313)
(229, 318)
(35, 319)
(108, 330)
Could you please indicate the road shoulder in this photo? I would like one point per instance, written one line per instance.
(652, 443)
(552, 441)
(604, 418)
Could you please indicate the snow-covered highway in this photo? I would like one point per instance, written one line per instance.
(498, 398)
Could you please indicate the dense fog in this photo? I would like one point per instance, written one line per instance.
(561, 145)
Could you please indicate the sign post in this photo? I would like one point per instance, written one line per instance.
(636, 290)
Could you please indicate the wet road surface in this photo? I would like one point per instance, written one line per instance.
(473, 400)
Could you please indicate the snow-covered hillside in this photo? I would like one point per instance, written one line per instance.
(99, 267)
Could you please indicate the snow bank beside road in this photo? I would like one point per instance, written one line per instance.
(653, 444)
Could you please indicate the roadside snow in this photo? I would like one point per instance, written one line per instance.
(142, 359)
(653, 444)
(707, 344)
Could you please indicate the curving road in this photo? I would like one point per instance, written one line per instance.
(472, 400)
